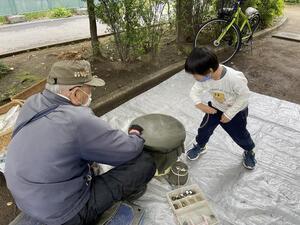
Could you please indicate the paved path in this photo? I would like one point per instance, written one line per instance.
(28, 35)
(293, 23)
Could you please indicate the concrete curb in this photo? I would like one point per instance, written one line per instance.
(124, 94)
(264, 32)
(51, 45)
(287, 36)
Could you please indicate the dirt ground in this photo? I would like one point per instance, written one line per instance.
(30, 67)
(272, 68)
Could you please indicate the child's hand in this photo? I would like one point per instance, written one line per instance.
(206, 109)
(224, 119)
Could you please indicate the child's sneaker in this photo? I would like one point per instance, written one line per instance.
(249, 160)
(195, 152)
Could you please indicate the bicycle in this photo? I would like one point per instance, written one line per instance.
(226, 33)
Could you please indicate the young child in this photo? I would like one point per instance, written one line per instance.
(228, 107)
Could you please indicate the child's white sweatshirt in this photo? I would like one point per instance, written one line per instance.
(229, 94)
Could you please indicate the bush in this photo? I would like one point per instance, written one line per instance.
(60, 13)
(203, 10)
(268, 9)
(3, 69)
(152, 20)
(136, 25)
(190, 15)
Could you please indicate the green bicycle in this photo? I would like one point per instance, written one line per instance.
(225, 34)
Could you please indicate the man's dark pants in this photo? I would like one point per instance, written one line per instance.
(236, 128)
(115, 185)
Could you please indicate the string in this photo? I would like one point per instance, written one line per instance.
(206, 121)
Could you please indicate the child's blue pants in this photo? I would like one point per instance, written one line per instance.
(236, 128)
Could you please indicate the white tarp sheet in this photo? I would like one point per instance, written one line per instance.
(269, 195)
(7, 121)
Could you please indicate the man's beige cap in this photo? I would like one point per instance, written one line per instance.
(73, 72)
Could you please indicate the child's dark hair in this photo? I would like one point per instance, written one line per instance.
(200, 61)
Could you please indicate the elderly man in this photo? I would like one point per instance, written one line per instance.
(56, 138)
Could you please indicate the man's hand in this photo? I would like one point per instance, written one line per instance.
(135, 129)
(206, 109)
(224, 119)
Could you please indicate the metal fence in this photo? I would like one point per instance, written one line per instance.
(14, 7)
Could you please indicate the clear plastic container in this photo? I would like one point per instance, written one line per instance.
(190, 206)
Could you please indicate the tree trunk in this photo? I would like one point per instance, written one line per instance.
(184, 20)
(93, 28)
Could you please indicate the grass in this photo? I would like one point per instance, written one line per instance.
(36, 15)
(4, 69)
(53, 13)
(2, 20)
(27, 77)
(23, 80)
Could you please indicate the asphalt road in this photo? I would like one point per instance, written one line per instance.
(17, 37)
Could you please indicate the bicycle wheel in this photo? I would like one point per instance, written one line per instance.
(209, 33)
(246, 33)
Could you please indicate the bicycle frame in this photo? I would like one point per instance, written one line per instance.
(235, 20)
(239, 13)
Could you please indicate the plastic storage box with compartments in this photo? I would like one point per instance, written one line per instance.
(190, 206)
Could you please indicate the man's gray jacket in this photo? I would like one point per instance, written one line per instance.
(47, 161)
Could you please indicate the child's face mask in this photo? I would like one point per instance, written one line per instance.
(205, 78)
(202, 78)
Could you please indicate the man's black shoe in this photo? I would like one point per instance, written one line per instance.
(137, 194)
